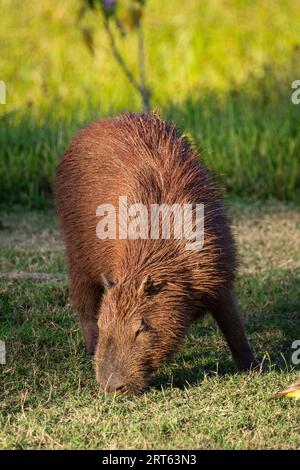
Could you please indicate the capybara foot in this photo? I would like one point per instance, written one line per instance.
(248, 363)
(89, 352)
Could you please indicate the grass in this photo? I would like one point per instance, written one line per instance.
(222, 70)
(48, 394)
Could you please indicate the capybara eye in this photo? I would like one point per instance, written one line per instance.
(143, 327)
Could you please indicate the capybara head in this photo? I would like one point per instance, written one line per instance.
(136, 333)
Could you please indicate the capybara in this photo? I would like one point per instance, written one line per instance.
(137, 296)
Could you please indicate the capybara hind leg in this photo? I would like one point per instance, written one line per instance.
(225, 312)
(86, 298)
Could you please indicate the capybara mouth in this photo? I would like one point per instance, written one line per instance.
(127, 389)
(123, 387)
(138, 391)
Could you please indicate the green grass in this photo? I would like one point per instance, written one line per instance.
(222, 70)
(48, 394)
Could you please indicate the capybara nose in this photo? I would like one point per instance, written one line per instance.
(121, 389)
(114, 384)
(116, 387)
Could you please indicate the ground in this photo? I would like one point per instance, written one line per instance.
(223, 73)
(48, 395)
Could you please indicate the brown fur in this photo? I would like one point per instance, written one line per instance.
(149, 161)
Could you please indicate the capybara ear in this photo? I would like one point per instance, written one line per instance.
(107, 284)
(149, 287)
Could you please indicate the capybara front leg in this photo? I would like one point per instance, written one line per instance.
(225, 312)
(86, 298)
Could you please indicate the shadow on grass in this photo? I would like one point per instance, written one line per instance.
(272, 323)
(251, 144)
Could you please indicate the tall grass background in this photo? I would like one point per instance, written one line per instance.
(222, 70)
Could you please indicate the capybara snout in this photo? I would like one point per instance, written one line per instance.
(136, 295)
(132, 335)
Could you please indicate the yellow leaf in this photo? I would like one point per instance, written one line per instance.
(292, 391)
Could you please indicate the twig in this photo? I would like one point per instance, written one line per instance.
(145, 90)
(23, 275)
(141, 88)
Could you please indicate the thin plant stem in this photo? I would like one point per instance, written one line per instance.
(140, 87)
